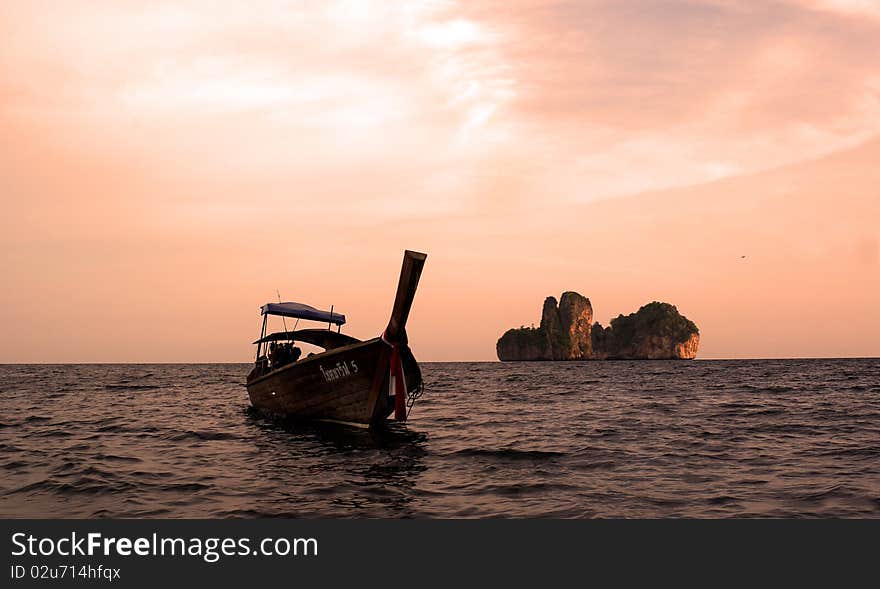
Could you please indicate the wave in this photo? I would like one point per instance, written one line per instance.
(860, 452)
(52, 433)
(509, 453)
(117, 458)
(721, 500)
(525, 488)
(823, 494)
(201, 436)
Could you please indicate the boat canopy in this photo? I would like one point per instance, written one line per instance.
(301, 311)
(323, 338)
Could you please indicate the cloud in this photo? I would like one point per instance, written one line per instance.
(638, 95)
(600, 98)
(870, 8)
(334, 66)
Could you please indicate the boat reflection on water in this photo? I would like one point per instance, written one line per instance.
(324, 466)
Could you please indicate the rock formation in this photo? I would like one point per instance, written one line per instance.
(564, 333)
(657, 331)
(576, 317)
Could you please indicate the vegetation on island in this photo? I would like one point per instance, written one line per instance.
(655, 319)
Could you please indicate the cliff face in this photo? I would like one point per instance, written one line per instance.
(564, 333)
(551, 327)
(576, 318)
(657, 331)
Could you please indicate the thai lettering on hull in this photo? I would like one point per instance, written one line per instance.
(342, 369)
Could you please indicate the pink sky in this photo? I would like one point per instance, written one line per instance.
(166, 166)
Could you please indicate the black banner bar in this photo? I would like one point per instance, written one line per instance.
(225, 553)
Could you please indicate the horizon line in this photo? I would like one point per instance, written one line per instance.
(674, 361)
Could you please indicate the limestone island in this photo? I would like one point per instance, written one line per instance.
(657, 331)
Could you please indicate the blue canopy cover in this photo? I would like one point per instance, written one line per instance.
(301, 311)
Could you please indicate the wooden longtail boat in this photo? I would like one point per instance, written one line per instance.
(352, 381)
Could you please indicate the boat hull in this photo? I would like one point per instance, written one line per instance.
(347, 385)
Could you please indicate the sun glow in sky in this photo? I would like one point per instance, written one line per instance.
(170, 164)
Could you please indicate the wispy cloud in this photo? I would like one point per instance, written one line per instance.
(869, 8)
(585, 99)
(287, 91)
(630, 95)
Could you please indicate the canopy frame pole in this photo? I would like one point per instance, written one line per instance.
(262, 335)
(283, 318)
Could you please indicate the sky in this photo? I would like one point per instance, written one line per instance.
(168, 167)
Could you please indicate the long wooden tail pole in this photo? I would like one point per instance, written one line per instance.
(410, 272)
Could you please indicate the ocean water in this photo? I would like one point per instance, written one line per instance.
(769, 438)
